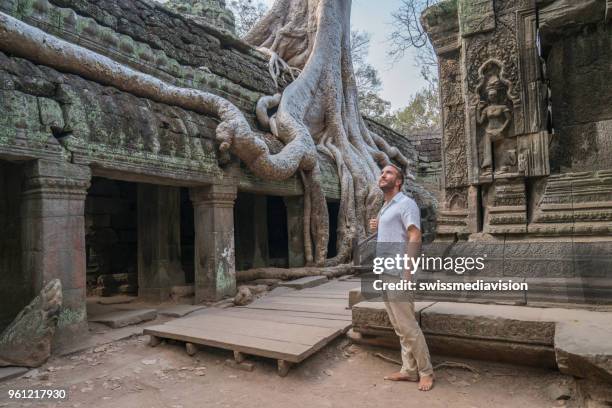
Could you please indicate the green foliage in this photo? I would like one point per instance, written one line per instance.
(422, 113)
(367, 78)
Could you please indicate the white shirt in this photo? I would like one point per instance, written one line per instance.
(395, 217)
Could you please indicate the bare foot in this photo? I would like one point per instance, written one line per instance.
(401, 377)
(426, 382)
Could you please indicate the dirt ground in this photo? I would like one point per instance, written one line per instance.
(129, 373)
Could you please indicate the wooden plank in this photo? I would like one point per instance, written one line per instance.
(308, 335)
(344, 296)
(289, 326)
(298, 308)
(314, 315)
(333, 303)
(281, 317)
(331, 307)
(270, 348)
(245, 344)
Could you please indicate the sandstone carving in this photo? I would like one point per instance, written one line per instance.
(527, 134)
(27, 340)
(494, 114)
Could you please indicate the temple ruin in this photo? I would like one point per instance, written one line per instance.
(146, 150)
(116, 193)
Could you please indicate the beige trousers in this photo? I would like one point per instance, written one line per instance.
(400, 308)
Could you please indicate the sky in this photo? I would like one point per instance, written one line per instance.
(400, 79)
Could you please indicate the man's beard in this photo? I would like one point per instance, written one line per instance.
(387, 187)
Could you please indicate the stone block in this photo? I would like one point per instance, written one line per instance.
(371, 316)
(305, 282)
(492, 322)
(492, 350)
(539, 259)
(177, 292)
(8, 373)
(583, 347)
(125, 317)
(117, 300)
(179, 310)
(355, 297)
(569, 290)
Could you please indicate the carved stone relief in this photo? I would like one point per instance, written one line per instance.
(492, 133)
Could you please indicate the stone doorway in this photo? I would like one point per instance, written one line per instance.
(111, 231)
(278, 237)
(15, 286)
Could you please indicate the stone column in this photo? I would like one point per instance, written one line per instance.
(159, 241)
(295, 230)
(260, 231)
(215, 274)
(53, 238)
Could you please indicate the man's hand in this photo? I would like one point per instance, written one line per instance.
(373, 225)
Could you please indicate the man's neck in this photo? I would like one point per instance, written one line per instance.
(389, 195)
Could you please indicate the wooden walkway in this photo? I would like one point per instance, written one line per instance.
(288, 327)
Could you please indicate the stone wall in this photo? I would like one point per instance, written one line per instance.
(578, 66)
(526, 143)
(185, 42)
(427, 143)
(520, 122)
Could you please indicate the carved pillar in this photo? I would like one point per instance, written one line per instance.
(215, 274)
(53, 238)
(295, 230)
(159, 241)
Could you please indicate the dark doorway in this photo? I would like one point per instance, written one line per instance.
(278, 240)
(333, 208)
(111, 237)
(187, 237)
(15, 286)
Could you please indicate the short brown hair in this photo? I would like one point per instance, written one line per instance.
(400, 172)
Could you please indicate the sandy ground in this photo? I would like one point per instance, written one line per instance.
(129, 373)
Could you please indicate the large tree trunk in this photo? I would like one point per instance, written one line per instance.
(320, 109)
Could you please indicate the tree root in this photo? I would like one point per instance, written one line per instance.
(292, 273)
(27, 340)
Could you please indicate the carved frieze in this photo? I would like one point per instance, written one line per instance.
(575, 203)
(505, 204)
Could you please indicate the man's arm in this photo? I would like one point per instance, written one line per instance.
(413, 248)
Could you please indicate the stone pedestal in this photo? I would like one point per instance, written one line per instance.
(506, 207)
(215, 274)
(53, 238)
(295, 230)
(159, 241)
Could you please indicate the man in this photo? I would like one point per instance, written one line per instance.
(399, 222)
